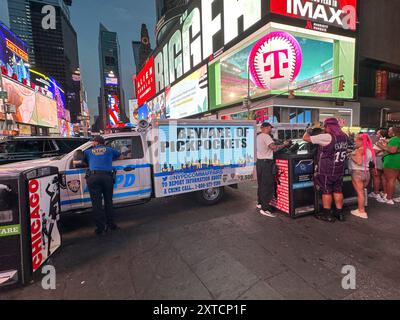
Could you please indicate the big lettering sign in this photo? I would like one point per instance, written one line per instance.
(205, 27)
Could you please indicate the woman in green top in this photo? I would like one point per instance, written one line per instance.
(391, 164)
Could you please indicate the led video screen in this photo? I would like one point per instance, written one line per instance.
(46, 111)
(189, 96)
(280, 58)
(156, 108)
(23, 98)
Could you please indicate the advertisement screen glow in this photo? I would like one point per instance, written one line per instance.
(189, 96)
(280, 58)
(46, 109)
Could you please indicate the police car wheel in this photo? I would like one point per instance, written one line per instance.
(210, 196)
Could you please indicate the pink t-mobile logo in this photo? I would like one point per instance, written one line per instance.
(277, 62)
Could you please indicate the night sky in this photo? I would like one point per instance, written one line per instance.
(122, 16)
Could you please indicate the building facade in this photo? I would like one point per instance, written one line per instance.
(111, 100)
(142, 49)
(263, 60)
(379, 69)
(52, 51)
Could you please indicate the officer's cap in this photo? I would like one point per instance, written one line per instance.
(99, 139)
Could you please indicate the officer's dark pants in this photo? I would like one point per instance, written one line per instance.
(266, 184)
(101, 185)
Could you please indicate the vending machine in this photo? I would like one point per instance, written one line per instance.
(29, 215)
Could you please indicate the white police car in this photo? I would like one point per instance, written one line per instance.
(150, 169)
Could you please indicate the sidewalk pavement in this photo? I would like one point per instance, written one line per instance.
(176, 249)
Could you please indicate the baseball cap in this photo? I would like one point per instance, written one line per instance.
(99, 139)
(266, 125)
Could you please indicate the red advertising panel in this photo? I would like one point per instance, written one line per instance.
(338, 13)
(145, 83)
(281, 199)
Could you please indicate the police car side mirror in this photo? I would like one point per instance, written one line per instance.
(78, 160)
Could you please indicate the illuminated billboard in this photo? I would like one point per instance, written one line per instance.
(320, 14)
(157, 108)
(143, 113)
(113, 110)
(133, 107)
(279, 58)
(23, 98)
(144, 82)
(112, 82)
(46, 110)
(205, 29)
(14, 58)
(189, 96)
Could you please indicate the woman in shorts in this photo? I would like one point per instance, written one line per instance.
(359, 166)
(378, 178)
(391, 164)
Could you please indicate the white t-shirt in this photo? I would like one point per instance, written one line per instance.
(263, 150)
(322, 139)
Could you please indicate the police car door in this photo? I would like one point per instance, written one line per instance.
(133, 179)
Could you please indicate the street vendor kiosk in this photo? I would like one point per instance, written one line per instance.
(294, 186)
(29, 214)
(295, 194)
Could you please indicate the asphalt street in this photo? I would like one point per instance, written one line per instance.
(176, 249)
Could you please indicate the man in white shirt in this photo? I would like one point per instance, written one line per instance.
(265, 164)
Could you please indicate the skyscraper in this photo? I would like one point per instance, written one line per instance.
(142, 49)
(111, 94)
(52, 51)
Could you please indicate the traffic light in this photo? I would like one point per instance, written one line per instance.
(342, 84)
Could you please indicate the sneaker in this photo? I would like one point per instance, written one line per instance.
(339, 215)
(374, 195)
(380, 199)
(326, 216)
(390, 202)
(268, 214)
(259, 206)
(397, 200)
(357, 213)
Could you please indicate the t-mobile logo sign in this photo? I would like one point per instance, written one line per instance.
(275, 61)
(278, 62)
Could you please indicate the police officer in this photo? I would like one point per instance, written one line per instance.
(100, 182)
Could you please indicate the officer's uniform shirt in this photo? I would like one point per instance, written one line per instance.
(100, 158)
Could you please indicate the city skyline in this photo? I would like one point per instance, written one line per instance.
(121, 17)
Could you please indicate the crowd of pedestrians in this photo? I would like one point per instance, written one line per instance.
(369, 159)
